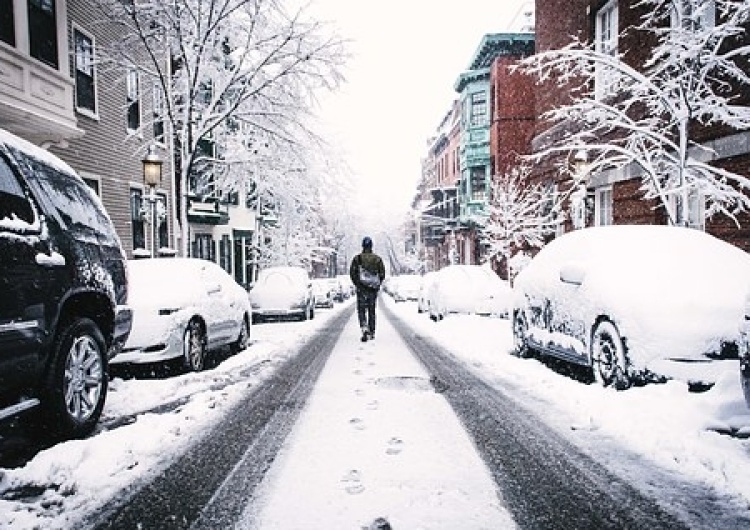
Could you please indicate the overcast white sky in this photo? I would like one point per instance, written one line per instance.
(407, 55)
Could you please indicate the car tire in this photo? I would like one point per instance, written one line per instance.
(194, 347)
(242, 341)
(76, 385)
(608, 355)
(520, 327)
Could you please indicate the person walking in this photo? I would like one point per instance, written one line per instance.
(367, 273)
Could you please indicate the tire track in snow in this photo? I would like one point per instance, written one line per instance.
(547, 481)
(210, 484)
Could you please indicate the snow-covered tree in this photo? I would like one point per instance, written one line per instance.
(646, 116)
(521, 216)
(238, 73)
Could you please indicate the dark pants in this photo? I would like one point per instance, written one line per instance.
(366, 299)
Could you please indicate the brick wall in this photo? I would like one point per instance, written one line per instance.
(513, 114)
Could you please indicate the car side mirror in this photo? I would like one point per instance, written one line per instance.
(572, 273)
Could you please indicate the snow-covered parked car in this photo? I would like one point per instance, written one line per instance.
(405, 287)
(282, 292)
(634, 303)
(322, 292)
(183, 308)
(468, 289)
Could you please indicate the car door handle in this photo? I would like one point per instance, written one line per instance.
(53, 259)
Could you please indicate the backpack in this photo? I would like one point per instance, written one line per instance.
(367, 278)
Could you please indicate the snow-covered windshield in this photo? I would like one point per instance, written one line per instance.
(76, 204)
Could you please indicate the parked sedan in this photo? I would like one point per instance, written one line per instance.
(635, 303)
(282, 292)
(406, 287)
(469, 289)
(322, 293)
(183, 308)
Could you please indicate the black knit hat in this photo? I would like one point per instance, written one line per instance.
(367, 242)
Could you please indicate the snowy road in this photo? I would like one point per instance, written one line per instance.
(546, 481)
(377, 441)
(207, 486)
(394, 429)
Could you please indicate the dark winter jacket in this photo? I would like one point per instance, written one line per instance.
(370, 261)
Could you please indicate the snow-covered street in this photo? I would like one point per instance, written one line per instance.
(377, 441)
(372, 442)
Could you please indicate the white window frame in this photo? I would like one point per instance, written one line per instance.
(603, 206)
(696, 210)
(606, 42)
(92, 71)
(705, 21)
(133, 96)
(158, 111)
(478, 109)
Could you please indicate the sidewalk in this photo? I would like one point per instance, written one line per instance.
(376, 441)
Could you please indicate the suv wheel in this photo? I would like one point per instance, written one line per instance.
(77, 381)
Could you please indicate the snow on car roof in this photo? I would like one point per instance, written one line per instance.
(11, 140)
(150, 279)
(653, 278)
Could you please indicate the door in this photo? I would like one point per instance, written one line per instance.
(223, 322)
(29, 282)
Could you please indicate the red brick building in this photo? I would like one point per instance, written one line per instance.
(483, 135)
(615, 196)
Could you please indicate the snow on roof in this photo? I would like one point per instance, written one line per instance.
(11, 140)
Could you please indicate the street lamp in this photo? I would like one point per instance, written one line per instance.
(152, 165)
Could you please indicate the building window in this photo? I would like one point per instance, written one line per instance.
(225, 253)
(607, 33)
(478, 109)
(203, 247)
(696, 15)
(133, 89)
(158, 113)
(43, 31)
(696, 208)
(478, 182)
(7, 23)
(94, 184)
(138, 213)
(603, 206)
(85, 72)
(162, 227)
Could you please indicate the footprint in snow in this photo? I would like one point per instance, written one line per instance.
(352, 482)
(395, 446)
(381, 523)
(357, 423)
(373, 405)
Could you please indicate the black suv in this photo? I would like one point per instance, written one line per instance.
(63, 292)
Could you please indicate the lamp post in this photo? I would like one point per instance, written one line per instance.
(152, 165)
